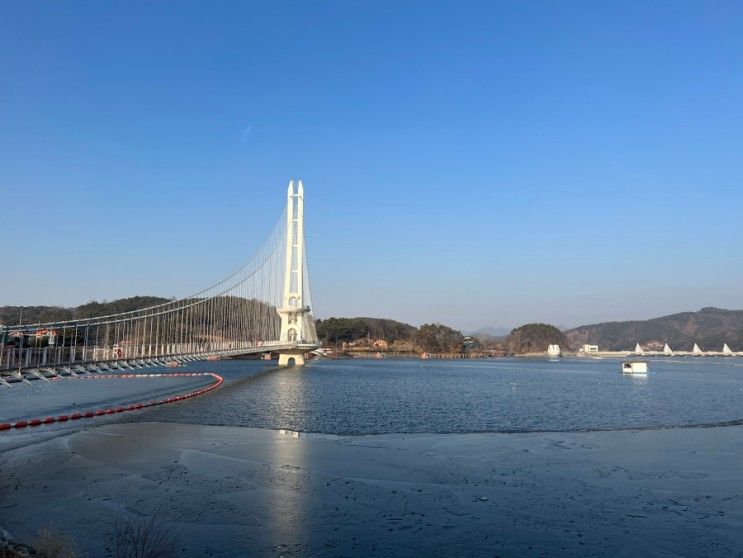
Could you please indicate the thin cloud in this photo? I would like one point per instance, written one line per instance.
(245, 133)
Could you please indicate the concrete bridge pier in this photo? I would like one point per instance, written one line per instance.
(291, 358)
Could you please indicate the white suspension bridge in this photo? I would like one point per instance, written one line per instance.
(264, 307)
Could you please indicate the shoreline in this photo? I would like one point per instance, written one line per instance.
(734, 361)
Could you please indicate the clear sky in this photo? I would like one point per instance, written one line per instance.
(473, 163)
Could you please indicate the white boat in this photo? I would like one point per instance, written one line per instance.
(667, 349)
(696, 351)
(726, 350)
(637, 367)
(553, 350)
(638, 349)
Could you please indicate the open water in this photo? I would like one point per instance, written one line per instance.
(496, 395)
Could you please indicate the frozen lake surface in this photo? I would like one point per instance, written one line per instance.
(229, 491)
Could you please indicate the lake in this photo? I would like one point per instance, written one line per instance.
(350, 397)
(605, 480)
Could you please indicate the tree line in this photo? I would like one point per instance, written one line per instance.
(435, 338)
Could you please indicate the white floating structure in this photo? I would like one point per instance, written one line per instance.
(638, 349)
(726, 350)
(696, 351)
(553, 350)
(635, 367)
(667, 349)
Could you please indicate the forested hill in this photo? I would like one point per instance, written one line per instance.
(709, 327)
(10, 315)
(335, 330)
(534, 338)
(382, 334)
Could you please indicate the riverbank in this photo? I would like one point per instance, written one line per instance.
(240, 491)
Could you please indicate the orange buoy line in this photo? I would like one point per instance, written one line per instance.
(130, 407)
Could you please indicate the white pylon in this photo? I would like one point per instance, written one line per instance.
(293, 309)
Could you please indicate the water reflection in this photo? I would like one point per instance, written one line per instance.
(288, 453)
(292, 433)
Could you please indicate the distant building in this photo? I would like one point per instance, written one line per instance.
(41, 334)
(590, 349)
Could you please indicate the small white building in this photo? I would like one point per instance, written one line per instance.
(588, 349)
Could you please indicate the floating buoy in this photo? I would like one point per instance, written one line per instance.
(218, 380)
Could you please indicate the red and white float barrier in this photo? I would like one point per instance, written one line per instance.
(127, 407)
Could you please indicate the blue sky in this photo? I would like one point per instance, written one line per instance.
(473, 163)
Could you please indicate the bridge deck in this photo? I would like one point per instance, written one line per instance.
(15, 360)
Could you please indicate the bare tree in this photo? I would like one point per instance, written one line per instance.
(143, 537)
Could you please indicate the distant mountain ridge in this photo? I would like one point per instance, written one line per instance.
(489, 332)
(709, 327)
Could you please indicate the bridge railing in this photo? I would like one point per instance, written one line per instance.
(16, 358)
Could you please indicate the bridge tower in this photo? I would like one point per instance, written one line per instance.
(294, 309)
